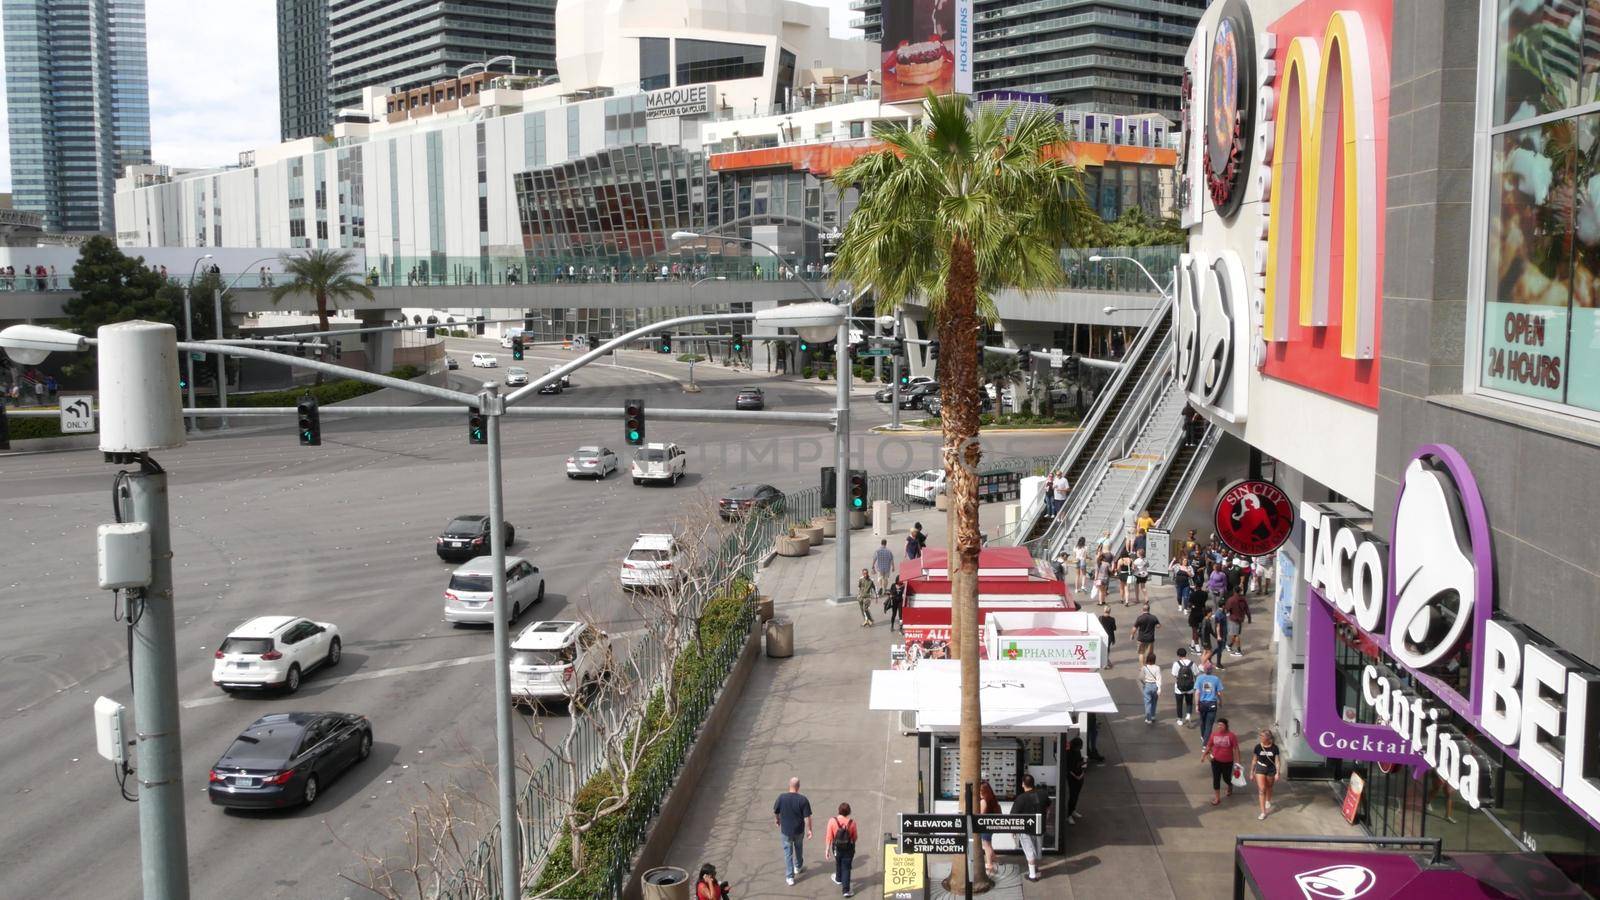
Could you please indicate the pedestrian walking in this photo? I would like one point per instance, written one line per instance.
(1145, 522)
(1102, 578)
(913, 546)
(1058, 493)
(864, 591)
(1184, 674)
(1032, 801)
(1080, 562)
(38, 389)
(1141, 577)
(1264, 769)
(1207, 695)
(1058, 568)
(840, 843)
(791, 812)
(988, 805)
(1221, 749)
(1123, 573)
(895, 603)
(707, 887)
(1077, 770)
(883, 566)
(1238, 613)
(1091, 733)
(1144, 631)
(1219, 634)
(1217, 582)
(922, 537)
(1149, 685)
(1109, 625)
(1181, 573)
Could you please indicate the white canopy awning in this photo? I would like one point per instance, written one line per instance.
(1016, 697)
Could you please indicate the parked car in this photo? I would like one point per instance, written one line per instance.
(451, 364)
(557, 660)
(468, 536)
(285, 759)
(934, 406)
(275, 652)
(885, 395)
(484, 361)
(659, 462)
(566, 380)
(750, 398)
(927, 486)
(469, 598)
(507, 337)
(743, 499)
(914, 396)
(516, 375)
(654, 559)
(595, 462)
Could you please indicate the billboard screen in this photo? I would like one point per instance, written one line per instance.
(926, 46)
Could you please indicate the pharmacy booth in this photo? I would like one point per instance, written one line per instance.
(1031, 711)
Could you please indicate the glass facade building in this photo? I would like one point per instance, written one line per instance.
(78, 106)
(304, 73)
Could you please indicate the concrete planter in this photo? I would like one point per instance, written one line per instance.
(941, 502)
(764, 608)
(793, 546)
(812, 533)
(858, 519)
(828, 524)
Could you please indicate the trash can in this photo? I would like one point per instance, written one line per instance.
(764, 608)
(665, 883)
(780, 638)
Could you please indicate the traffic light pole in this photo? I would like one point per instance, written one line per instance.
(492, 405)
(894, 396)
(841, 502)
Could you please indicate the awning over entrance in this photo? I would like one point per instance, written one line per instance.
(1017, 697)
(1297, 873)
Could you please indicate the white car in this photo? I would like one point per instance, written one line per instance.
(659, 462)
(566, 380)
(653, 560)
(516, 375)
(556, 660)
(927, 486)
(470, 596)
(275, 652)
(485, 361)
(506, 339)
(593, 462)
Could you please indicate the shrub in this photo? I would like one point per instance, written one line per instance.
(691, 357)
(326, 393)
(807, 372)
(41, 427)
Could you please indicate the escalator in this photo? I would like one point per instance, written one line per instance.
(1173, 478)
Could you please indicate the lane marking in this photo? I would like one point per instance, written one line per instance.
(211, 699)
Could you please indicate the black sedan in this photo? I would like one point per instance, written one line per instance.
(743, 499)
(935, 406)
(750, 398)
(285, 759)
(554, 387)
(451, 364)
(914, 396)
(468, 536)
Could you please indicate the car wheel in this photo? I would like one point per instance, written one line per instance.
(636, 481)
(516, 611)
(364, 749)
(335, 652)
(572, 474)
(511, 535)
(292, 683)
(309, 794)
(540, 596)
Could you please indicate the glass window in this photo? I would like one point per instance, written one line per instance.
(654, 66)
(717, 61)
(1545, 57)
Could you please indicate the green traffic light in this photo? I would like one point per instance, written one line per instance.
(856, 502)
(633, 435)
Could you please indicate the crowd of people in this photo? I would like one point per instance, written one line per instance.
(33, 278)
(27, 387)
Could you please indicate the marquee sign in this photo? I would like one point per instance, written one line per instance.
(675, 102)
(1230, 108)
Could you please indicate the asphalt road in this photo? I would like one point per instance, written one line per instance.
(341, 533)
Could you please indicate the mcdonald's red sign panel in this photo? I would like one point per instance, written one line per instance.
(1327, 190)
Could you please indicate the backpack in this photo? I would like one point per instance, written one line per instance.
(1185, 677)
(843, 843)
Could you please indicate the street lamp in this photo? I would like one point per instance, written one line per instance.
(696, 284)
(222, 360)
(188, 335)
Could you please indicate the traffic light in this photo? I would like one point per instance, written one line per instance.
(933, 350)
(310, 422)
(805, 346)
(737, 343)
(516, 348)
(905, 378)
(664, 343)
(594, 341)
(183, 383)
(899, 348)
(477, 431)
(858, 490)
(830, 488)
(633, 422)
(1070, 366)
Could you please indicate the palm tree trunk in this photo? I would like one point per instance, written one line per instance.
(958, 341)
(322, 321)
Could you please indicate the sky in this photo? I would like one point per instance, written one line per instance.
(214, 79)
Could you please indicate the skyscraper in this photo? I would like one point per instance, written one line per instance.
(406, 43)
(304, 72)
(1116, 57)
(78, 98)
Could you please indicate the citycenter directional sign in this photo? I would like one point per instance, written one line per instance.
(947, 832)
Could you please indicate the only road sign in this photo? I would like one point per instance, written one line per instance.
(933, 843)
(77, 413)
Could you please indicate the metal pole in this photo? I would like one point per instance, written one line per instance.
(188, 357)
(841, 434)
(163, 841)
(894, 395)
(222, 361)
(877, 361)
(493, 405)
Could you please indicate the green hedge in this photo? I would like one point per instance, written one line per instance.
(326, 393)
(609, 845)
(22, 429)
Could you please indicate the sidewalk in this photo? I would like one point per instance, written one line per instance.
(1147, 829)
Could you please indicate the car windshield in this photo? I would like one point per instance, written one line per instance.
(652, 455)
(743, 491)
(247, 645)
(264, 748)
(588, 452)
(557, 657)
(474, 584)
(516, 370)
(749, 390)
(463, 526)
(930, 475)
(643, 554)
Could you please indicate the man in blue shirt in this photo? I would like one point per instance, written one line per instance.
(792, 814)
(1207, 694)
(883, 566)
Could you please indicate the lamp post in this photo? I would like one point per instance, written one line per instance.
(1165, 295)
(188, 335)
(691, 303)
(222, 360)
(841, 411)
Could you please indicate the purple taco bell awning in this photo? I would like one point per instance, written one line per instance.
(1305, 873)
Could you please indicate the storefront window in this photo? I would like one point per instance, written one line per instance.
(1538, 49)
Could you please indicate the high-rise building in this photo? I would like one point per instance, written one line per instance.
(400, 44)
(78, 105)
(1121, 57)
(304, 69)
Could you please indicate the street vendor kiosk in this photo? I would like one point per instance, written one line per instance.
(1031, 710)
(1008, 581)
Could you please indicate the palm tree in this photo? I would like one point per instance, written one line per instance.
(323, 274)
(951, 210)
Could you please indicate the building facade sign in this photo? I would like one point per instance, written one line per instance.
(1213, 332)
(675, 102)
(1253, 518)
(1426, 601)
(1230, 109)
(926, 46)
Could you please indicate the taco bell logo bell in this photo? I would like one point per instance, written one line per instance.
(1433, 574)
(1342, 882)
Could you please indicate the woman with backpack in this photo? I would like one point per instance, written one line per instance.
(1183, 676)
(840, 843)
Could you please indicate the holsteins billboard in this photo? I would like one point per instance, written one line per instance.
(1426, 602)
(926, 46)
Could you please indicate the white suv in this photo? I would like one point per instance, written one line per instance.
(659, 462)
(927, 486)
(485, 361)
(470, 595)
(273, 652)
(654, 559)
(556, 660)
